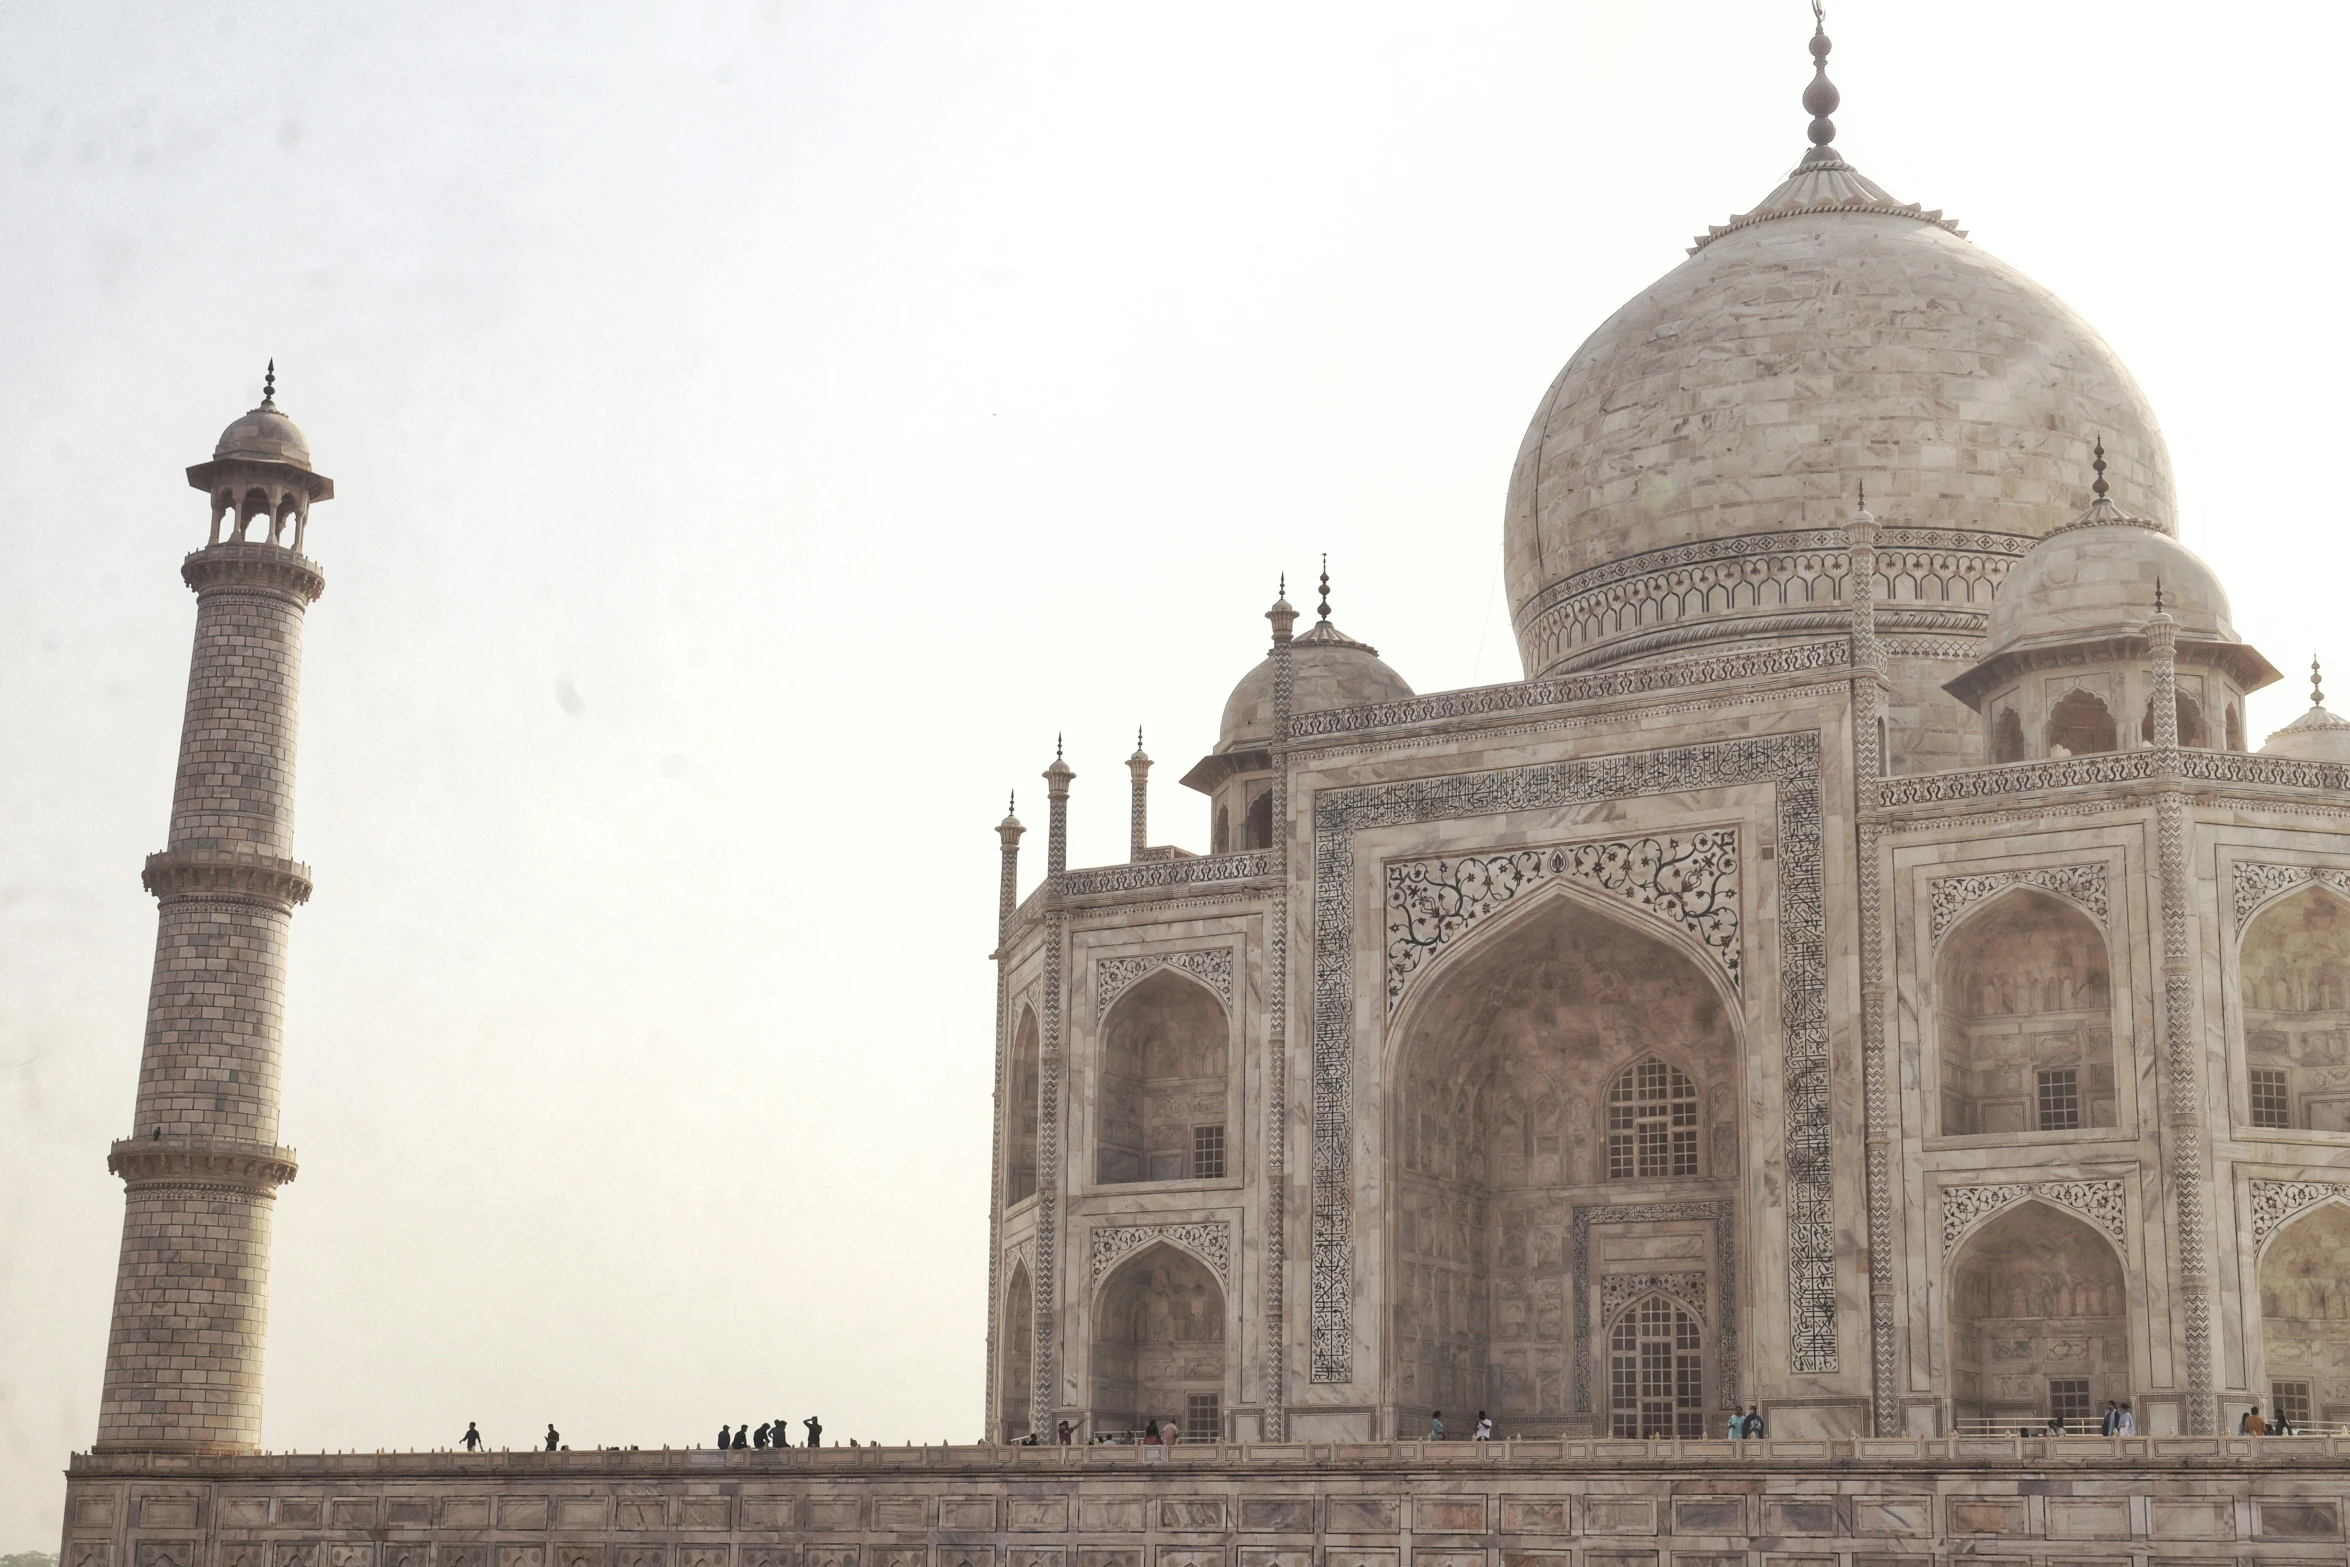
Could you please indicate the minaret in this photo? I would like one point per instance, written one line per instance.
(202, 1164)
(1138, 814)
(1056, 797)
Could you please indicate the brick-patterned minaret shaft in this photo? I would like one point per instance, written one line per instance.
(1138, 828)
(1007, 903)
(202, 1163)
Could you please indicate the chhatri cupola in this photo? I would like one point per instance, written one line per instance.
(2067, 668)
(1328, 669)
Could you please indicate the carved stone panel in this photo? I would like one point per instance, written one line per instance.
(2100, 1202)
(1209, 1240)
(1948, 897)
(1113, 977)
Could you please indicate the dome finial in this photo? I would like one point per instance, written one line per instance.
(2100, 488)
(1820, 98)
(2158, 595)
(1324, 610)
(2317, 684)
(269, 385)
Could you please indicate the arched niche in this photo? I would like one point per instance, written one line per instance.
(2007, 737)
(1165, 1083)
(2079, 724)
(2024, 1019)
(1656, 1370)
(2296, 988)
(2039, 1319)
(1158, 1345)
(1022, 1111)
(2192, 731)
(1502, 1070)
(1016, 1365)
(2305, 1315)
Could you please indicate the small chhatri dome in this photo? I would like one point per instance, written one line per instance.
(2317, 735)
(2097, 574)
(263, 434)
(1328, 669)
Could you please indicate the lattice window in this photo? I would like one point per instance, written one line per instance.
(1207, 1153)
(1651, 1122)
(2272, 1099)
(2060, 1099)
(2068, 1401)
(1656, 1372)
(1203, 1417)
(2291, 1402)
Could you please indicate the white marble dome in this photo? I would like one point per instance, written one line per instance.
(2098, 576)
(264, 435)
(1328, 669)
(1733, 409)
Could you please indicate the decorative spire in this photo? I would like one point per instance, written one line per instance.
(2157, 595)
(2317, 684)
(2100, 489)
(1324, 610)
(1284, 618)
(1820, 98)
(269, 385)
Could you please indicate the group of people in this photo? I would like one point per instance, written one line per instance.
(2253, 1424)
(1483, 1432)
(775, 1433)
(1748, 1427)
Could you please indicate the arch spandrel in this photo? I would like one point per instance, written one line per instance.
(1688, 884)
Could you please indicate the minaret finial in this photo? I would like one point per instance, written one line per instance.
(1056, 747)
(2100, 488)
(1864, 495)
(2317, 684)
(269, 385)
(2158, 595)
(1324, 611)
(1012, 802)
(1820, 98)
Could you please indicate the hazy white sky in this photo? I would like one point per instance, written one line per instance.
(759, 428)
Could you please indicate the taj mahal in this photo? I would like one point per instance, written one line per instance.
(1865, 972)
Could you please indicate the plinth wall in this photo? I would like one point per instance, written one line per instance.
(2153, 1502)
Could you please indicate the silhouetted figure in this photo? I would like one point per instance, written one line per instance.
(725, 1438)
(759, 1437)
(1436, 1425)
(554, 1439)
(778, 1433)
(1753, 1428)
(472, 1437)
(742, 1435)
(1150, 1434)
(815, 1431)
(1066, 1431)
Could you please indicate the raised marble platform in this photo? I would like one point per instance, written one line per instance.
(2063, 1502)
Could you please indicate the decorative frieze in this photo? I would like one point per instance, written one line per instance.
(2257, 883)
(1113, 977)
(1210, 1240)
(1689, 883)
(1790, 762)
(1983, 783)
(1562, 691)
(1198, 869)
(2100, 1202)
(2275, 1203)
(1948, 897)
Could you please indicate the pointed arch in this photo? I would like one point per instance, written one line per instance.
(1160, 1344)
(2036, 1317)
(1023, 1108)
(2293, 976)
(1500, 1066)
(1164, 1086)
(2023, 994)
(1015, 1365)
(2304, 1281)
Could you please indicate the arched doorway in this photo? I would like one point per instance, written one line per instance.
(1165, 1084)
(1158, 1346)
(2296, 986)
(1021, 1113)
(1017, 1362)
(2080, 724)
(1656, 1371)
(2305, 1315)
(1565, 1061)
(2039, 1319)
(2024, 1019)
